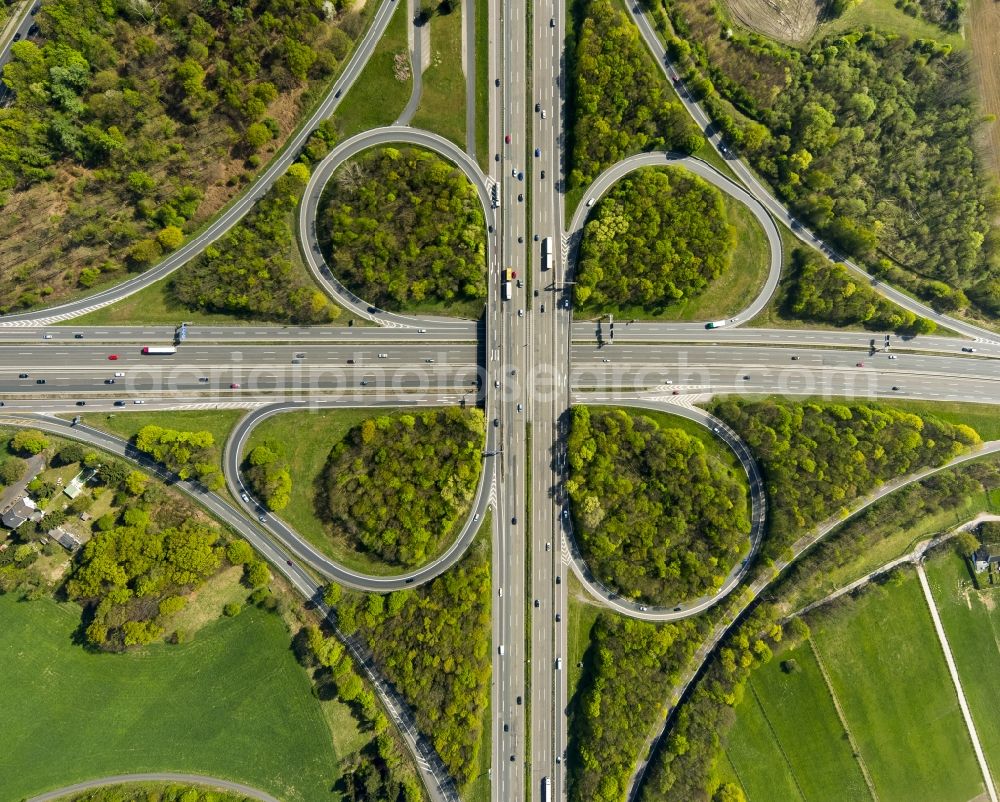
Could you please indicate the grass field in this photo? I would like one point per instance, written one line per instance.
(971, 621)
(883, 15)
(887, 670)
(232, 703)
(756, 756)
(442, 97)
(773, 747)
(359, 111)
(738, 283)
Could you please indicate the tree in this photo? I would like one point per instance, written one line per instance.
(11, 470)
(239, 552)
(29, 441)
(256, 573)
(170, 237)
(135, 482)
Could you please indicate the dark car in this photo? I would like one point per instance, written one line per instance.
(119, 403)
(17, 36)
(81, 403)
(22, 376)
(337, 94)
(39, 381)
(538, 107)
(513, 520)
(519, 700)
(109, 381)
(78, 336)
(496, 421)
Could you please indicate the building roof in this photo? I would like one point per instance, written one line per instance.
(19, 512)
(67, 540)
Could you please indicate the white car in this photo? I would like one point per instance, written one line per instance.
(47, 337)
(892, 356)
(544, 114)
(138, 401)
(119, 375)
(592, 201)
(383, 356)
(245, 497)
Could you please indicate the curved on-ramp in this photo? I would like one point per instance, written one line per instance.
(206, 783)
(640, 15)
(617, 171)
(435, 777)
(304, 550)
(758, 514)
(309, 209)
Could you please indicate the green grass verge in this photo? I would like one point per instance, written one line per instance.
(971, 621)
(154, 305)
(729, 293)
(200, 707)
(788, 742)
(126, 424)
(442, 97)
(885, 16)
(981, 417)
(889, 674)
(483, 84)
(581, 615)
(377, 98)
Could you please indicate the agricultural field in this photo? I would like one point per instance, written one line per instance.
(984, 32)
(897, 697)
(773, 746)
(200, 707)
(898, 715)
(971, 621)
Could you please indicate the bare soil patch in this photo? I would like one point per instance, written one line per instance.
(791, 21)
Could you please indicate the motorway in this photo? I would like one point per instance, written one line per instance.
(526, 357)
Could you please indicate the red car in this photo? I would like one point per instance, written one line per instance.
(112, 356)
(860, 364)
(234, 386)
(676, 392)
(507, 139)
